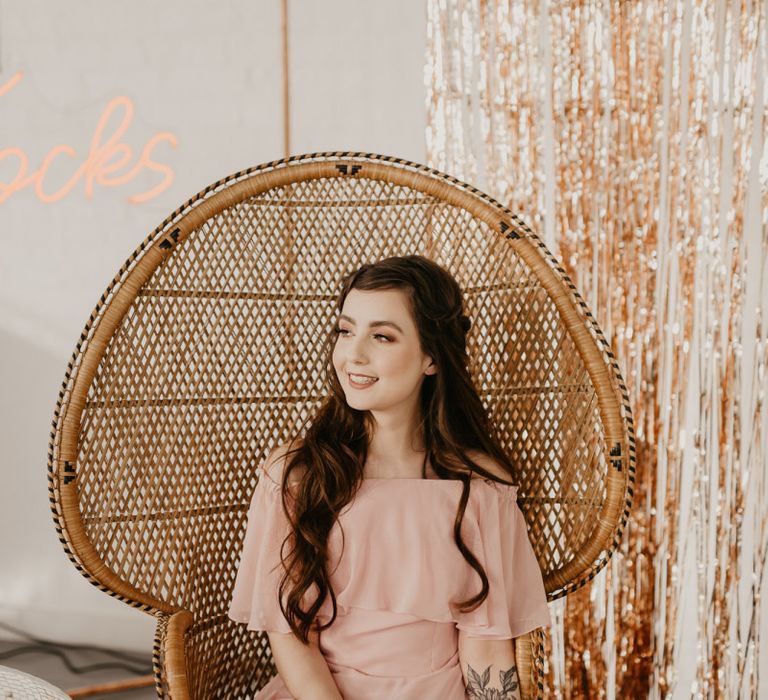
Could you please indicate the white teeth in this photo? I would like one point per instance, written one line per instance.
(360, 379)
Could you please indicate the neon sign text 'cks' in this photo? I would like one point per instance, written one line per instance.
(96, 168)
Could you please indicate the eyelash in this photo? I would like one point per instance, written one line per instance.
(338, 331)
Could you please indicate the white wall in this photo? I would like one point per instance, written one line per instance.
(209, 76)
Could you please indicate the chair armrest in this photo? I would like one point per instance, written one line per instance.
(169, 657)
(529, 656)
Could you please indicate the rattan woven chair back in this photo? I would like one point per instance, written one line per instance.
(205, 352)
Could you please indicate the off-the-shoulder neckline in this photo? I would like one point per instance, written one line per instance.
(400, 479)
(452, 481)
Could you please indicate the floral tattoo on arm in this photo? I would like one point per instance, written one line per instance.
(477, 685)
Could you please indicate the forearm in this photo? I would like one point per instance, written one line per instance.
(303, 668)
(490, 670)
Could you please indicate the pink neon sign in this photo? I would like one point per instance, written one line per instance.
(96, 167)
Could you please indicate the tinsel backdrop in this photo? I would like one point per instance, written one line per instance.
(630, 135)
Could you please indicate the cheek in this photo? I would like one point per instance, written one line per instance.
(336, 358)
(396, 364)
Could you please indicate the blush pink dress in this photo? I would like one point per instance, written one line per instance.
(397, 581)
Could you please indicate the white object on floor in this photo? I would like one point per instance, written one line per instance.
(22, 686)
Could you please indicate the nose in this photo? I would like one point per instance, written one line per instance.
(356, 350)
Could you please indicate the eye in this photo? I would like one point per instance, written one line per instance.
(386, 339)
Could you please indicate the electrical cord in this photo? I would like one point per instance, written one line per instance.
(125, 660)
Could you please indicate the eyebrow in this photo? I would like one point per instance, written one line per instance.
(372, 324)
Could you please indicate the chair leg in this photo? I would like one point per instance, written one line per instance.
(114, 687)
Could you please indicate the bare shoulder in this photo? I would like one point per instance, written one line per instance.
(488, 463)
(276, 461)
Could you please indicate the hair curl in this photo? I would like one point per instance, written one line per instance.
(329, 459)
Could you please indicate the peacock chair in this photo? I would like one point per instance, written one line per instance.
(205, 352)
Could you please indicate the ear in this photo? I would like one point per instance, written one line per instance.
(431, 369)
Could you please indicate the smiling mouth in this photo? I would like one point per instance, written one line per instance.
(362, 379)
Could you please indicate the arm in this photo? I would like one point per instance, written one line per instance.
(303, 667)
(488, 664)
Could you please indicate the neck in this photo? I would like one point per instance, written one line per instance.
(395, 450)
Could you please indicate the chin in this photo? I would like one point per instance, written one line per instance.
(354, 402)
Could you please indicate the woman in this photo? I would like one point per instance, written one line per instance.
(401, 486)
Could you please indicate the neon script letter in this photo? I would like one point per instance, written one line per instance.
(96, 168)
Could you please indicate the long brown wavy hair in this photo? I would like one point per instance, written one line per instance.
(330, 457)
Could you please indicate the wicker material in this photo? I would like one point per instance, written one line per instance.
(18, 685)
(205, 352)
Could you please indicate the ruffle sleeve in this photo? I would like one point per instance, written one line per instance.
(517, 600)
(255, 594)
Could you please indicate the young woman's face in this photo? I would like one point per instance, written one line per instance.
(378, 338)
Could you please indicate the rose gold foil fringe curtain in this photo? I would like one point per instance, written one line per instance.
(631, 136)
